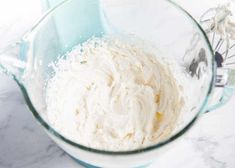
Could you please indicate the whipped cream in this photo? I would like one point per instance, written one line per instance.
(113, 94)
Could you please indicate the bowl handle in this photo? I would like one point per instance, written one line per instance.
(11, 62)
(223, 90)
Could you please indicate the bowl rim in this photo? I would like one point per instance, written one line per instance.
(105, 152)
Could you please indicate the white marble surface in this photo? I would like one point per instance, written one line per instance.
(23, 143)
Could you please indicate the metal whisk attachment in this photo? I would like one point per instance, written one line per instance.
(219, 24)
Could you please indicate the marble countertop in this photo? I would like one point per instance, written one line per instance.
(23, 143)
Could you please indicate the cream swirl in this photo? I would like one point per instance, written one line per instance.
(113, 94)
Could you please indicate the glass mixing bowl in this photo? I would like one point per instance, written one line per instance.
(162, 23)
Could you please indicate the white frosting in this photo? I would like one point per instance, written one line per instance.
(113, 94)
